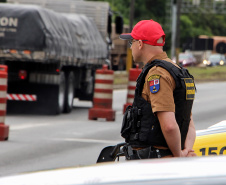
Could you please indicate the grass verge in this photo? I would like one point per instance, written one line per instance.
(201, 74)
(204, 74)
(120, 77)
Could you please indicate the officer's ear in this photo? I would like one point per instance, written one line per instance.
(140, 44)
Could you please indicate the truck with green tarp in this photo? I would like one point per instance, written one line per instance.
(51, 58)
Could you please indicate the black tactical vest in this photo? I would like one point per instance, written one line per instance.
(140, 127)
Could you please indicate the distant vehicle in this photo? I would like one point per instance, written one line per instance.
(186, 59)
(215, 59)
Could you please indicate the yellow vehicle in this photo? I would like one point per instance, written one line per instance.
(211, 141)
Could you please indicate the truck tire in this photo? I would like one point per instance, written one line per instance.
(69, 92)
(61, 94)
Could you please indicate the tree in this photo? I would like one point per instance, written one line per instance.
(191, 25)
(144, 9)
(194, 25)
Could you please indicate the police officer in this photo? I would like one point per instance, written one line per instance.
(159, 123)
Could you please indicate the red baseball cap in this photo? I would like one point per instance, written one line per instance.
(148, 31)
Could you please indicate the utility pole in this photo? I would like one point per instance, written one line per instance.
(131, 15)
(175, 36)
(173, 31)
(178, 29)
(129, 60)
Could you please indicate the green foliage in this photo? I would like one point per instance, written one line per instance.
(210, 24)
(192, 25)
(149, 9)
(143, 9)
(188, 28)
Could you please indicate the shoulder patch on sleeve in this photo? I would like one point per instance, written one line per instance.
(154, 83)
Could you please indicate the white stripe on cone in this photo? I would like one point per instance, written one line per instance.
(104, 77)
(131, 92)
(103, 86)
(130, 100)
(2, 106)
(3, 81)
(2, 119)
(102, 95)
(132, 83)
(2, 94)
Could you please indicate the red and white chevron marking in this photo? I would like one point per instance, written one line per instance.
(22, 97)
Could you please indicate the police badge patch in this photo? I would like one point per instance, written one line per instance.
(154, 83)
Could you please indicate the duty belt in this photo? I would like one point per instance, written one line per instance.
(146, 153)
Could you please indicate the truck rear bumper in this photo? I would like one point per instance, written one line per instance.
(32, 98)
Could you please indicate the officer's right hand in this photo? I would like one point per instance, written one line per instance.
(184, 152)
(187, 153)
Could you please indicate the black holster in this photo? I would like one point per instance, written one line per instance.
(130, 123)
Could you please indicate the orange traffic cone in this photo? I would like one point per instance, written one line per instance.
(133, 75)
(4, 129)
(102, 100)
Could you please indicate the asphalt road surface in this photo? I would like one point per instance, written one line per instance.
(210, 104)
(48, 142)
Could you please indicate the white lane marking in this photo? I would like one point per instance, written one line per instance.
(89, 140)
(27, 126)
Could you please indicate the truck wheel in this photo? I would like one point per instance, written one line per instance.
(61, 93)
(69, 92)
